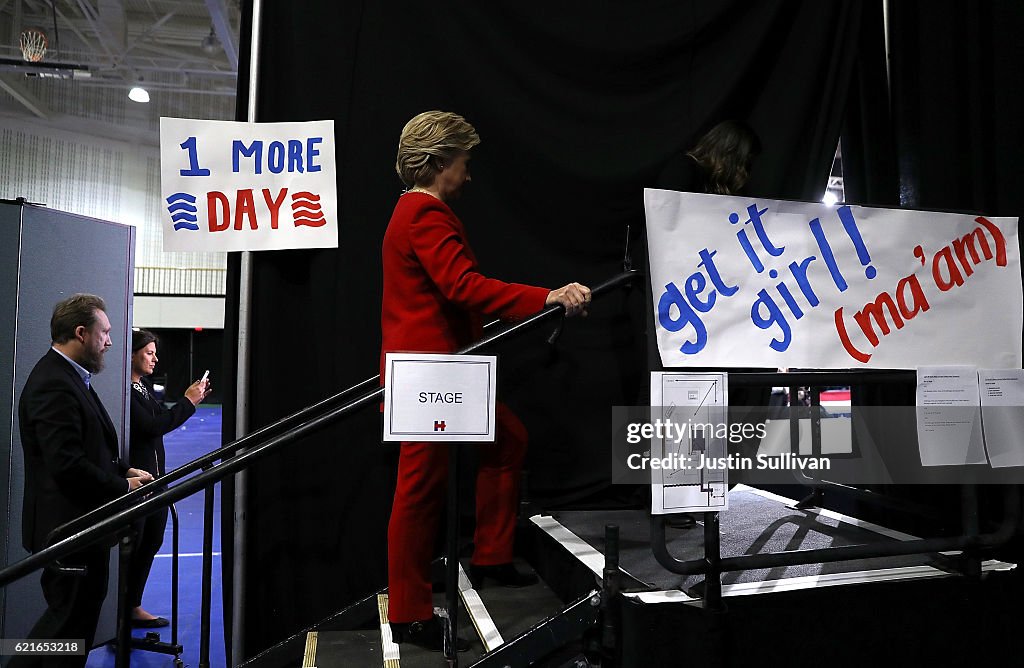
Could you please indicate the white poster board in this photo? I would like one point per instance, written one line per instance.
(948, 407)
(741, 281)
(433, 397)
(1002, 415)
(229, 186)
(689, 453)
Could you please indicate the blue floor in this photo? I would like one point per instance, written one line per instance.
(199, 435)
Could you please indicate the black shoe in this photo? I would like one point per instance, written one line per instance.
(505, 575)
(155, 623)
(428, 634)
(681, 521)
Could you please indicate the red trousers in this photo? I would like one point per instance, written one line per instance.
(420, 499)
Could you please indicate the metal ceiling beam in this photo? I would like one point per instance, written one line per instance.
(149, 31)
(183, 56)
(92, 18)
(222, 27)
(16, 24)
(111, 18)
(78, 33)
(88, 127)
(18, 91)
(164, 88)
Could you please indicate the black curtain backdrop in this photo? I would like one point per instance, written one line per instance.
(958, 103)
(946, 134)
(578, 105)
(868, 139)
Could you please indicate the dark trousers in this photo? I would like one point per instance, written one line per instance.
(419, 502)
(149, 536)
(73, 608)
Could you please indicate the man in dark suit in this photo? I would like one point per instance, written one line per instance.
(72, 465)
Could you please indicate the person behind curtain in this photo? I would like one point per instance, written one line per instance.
(150, 420)
(72, 466)
(434, 297)
(719, 163)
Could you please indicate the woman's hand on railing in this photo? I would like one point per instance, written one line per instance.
(574, 297)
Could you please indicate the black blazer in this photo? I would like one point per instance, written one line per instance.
(150, 420)
(72, 462)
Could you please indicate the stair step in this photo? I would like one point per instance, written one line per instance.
(344, 649)
(499, 615)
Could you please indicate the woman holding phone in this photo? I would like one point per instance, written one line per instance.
(150, 420)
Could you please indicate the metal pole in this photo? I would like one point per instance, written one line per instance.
(174, 574)
(238, 580)
(971, 528)
(712, 561)
(122, 658)
(610, 587)
(451, 650)
(204, 615)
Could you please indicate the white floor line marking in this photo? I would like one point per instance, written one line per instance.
(814, 581)
(482, 621)
(390, 654)
(309, 657)
(831, 514)
(186, 554)
(575, 545)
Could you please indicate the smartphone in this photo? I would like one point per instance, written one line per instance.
(206, 374)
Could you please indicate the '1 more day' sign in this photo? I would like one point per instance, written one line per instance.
(743, 281)
(229, 186)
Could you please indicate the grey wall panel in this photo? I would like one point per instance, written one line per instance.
(62, 254)
(10, 240)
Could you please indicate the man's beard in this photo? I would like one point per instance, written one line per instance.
(92, 361)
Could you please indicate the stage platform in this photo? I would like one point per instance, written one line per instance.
(915, 609)
(756, 522)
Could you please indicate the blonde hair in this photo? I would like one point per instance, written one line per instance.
(428, 137)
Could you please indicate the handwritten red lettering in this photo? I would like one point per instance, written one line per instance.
(213, 198)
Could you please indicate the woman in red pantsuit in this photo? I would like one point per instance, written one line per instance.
(434, 301)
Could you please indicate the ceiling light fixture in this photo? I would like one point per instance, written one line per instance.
(210, 43)
(138, 94)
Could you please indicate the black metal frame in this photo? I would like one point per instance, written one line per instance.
(970, 541)
(119, 514)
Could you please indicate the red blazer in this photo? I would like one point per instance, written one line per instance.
(434, 293)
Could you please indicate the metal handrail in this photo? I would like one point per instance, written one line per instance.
(214, 473)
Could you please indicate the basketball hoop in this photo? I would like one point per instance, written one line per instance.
(33, 44)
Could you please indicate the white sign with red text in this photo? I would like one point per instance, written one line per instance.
(744, 281)
(229, 186)
(435, 397)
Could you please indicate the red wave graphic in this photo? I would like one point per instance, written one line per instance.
(310, 222)
(305, 194)
(310, 207)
